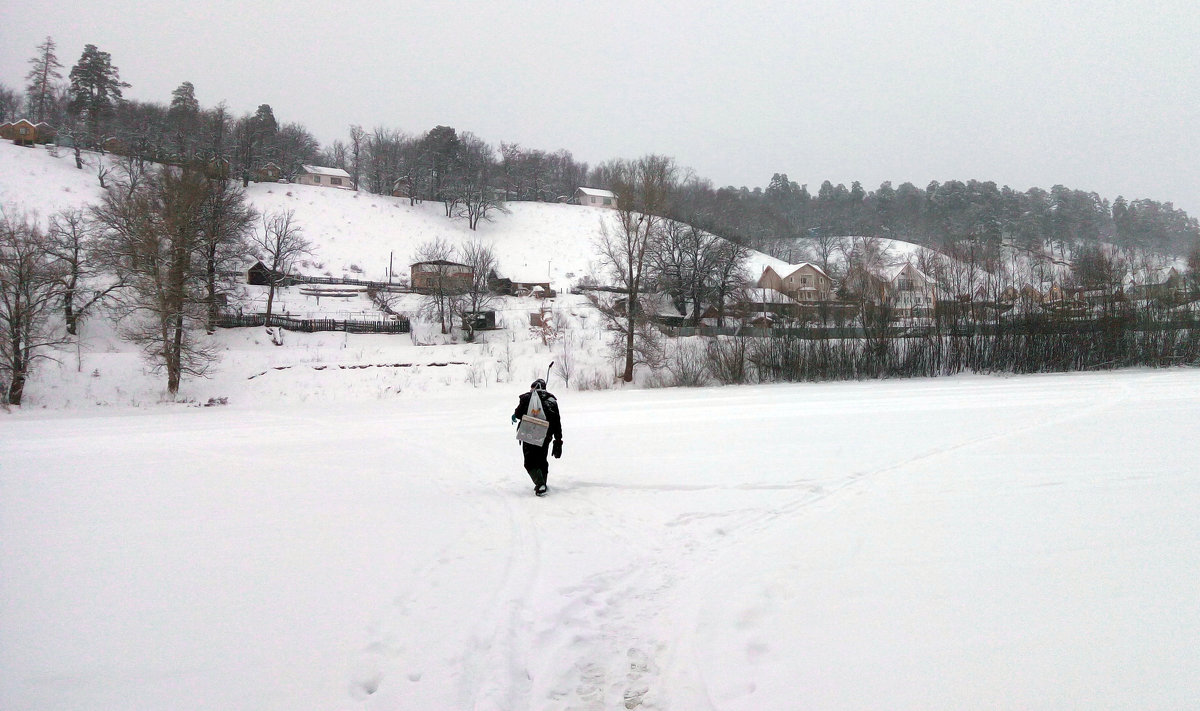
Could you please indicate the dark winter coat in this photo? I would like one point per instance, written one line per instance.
(549, 406)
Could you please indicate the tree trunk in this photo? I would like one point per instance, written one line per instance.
(174, 357)
(16, 388)
(211, 283)
(270, 300)
(69, 311)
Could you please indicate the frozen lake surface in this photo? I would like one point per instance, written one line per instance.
(975, 542)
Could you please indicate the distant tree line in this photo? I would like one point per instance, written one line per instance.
(788, 221)
(473, 177)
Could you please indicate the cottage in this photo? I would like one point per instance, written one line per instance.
(403, 187)
(261, 275)
(440, 274)
(594, 197)
(1166, 285)
(804, 282)
(26, 133)
(324, 177)
(268, 173)
(912, 293)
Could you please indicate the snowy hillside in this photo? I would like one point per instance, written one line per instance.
(354, 235)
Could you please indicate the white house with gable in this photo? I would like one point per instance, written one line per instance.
(594, 197)
(324, 177)
(913, 293)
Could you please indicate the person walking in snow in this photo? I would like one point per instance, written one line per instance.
(540, 407)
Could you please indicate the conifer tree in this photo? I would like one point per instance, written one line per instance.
(43, 71)
(95, 88)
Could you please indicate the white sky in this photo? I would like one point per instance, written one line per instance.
(1098, 95)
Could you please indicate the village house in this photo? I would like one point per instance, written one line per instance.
(1163, 284)
(402, 188)
(912, 293)
(804, 282)
(594, 197)
(26, 133)
(324, 177)
(268, 173)
(440, 273)
(768, 301)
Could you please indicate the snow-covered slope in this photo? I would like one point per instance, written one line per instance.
(355, 234)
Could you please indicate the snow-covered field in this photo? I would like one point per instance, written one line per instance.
(965, 543)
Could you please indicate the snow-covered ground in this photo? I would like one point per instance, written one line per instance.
(964, 543)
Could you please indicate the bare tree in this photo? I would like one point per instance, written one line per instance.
(825, 245)
(154, 240)
(478, 297)
(72, 241)
(279, 243)
(228, 221)
(473, 183)
(30, 285)
(565, 363)
(643, 190)
(696, 267)
(729, 275)
(442, 290)
(357, 145)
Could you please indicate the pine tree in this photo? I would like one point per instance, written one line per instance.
(95, 88)
(40, 89)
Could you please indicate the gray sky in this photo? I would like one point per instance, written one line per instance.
(1096, 95)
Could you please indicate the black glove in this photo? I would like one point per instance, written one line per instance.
(557, 451)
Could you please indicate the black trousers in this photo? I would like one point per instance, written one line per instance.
(536, 463)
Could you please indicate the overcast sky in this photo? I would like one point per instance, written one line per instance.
(1096, 95)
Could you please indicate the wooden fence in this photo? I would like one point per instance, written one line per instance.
(312, 325)
(375, 285)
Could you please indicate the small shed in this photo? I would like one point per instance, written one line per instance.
(595, 197)
(262, 275)
(403, 187)
(479, 320)
(324, 177)
(268, 173)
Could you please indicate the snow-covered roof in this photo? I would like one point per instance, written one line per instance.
(790, 269)
(322, 170)
(596, 192)
(896, 270)
(528, 278)
(768, 296)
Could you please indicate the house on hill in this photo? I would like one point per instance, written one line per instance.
(260, 274)
(912, 293)
(268, 173)
(804, 282)
(594, 197)
(24, 132)
(440, 273)
(765, 301)
(403, 187)
(324, 177)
